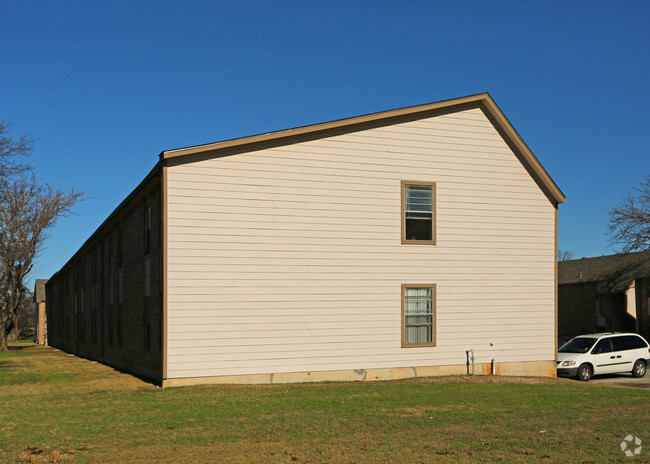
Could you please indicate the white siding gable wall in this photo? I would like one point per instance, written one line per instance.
(289, 259)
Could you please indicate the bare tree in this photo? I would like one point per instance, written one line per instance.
(629, 222)
(11, 151)
(28, 209)
(26, 318)
(565, 255)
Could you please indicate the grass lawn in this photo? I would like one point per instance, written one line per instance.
(56, 407)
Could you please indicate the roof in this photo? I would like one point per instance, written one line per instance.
(483, 101)
(615, 271)
(39, 290)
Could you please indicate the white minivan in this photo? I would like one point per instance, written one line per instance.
(603, 353)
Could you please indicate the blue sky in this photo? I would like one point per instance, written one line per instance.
(104, 87)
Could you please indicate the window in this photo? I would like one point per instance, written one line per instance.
(80, 303)
(110, 325)
(93, 295)
(146, 324)
(578, 345)
(119, 325)
(628, 342)
(120, 261)
(418, 212)
(147, 276)
(120, 285)
(111, 286)
(603, 346)
(119, 248)
(418, 315)
(147, 229)
(111, 270)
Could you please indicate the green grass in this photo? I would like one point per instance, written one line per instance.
(58, 408)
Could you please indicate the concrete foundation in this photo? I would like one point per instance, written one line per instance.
(532, 368)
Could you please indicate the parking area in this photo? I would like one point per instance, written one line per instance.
(622, 380)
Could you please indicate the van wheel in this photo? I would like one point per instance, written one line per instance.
(585, 372)
(639, 369)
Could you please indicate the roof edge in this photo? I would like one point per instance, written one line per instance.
(116, 212)
(483, 100)
(166, 154)
(533, 163)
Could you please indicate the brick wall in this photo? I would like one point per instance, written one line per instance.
(40, 335)
(576, 309)
(643, 306)
(88, 313)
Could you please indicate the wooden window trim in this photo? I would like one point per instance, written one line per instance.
(435, 313)
(404, 183)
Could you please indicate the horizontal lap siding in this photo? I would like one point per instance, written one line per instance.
(289, 259)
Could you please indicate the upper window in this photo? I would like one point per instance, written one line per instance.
(418, 315)
(418, 212)
(147, 229)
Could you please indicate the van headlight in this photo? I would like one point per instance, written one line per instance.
(569, 363)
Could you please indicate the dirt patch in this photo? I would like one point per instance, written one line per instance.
(409, 412)
(36, 455)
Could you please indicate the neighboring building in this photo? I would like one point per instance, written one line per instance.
(380, 246)
(40, 324)
(607, 293)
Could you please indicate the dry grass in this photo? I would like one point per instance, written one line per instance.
(59, 408)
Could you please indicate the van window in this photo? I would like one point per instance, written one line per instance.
(628, 342)
(578, 345)
(603, 346)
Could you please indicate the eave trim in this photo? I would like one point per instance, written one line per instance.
(483, 100)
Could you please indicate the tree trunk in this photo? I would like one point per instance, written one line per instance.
(3, 338)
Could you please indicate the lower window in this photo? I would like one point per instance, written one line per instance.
(418, 315)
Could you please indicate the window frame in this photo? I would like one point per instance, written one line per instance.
(405, 241)
(433, 318)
